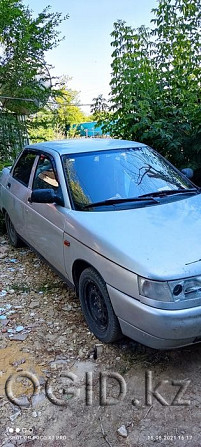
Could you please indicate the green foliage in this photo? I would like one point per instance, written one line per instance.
(99, 108)
(67, 108)
(4, 164)
(42, 127)
(13, 136)
(55, 120)
(156, 79)
(24, 41)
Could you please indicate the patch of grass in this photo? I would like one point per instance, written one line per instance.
(49, 287)
(21, 288)
(45, 288)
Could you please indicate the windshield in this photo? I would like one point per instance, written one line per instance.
(119, 174)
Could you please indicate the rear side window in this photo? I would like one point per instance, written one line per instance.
(23, 167)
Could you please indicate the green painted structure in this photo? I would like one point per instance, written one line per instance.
(88, 129)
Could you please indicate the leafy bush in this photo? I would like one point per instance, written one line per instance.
(155, 85)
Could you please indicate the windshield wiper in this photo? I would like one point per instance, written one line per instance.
(169, 192)
(108, 202)
(142, 198)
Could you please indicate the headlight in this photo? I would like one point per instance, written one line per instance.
(155, 290)
(186, 289)
(179, 290)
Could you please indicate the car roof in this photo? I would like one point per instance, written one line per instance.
(79, 145)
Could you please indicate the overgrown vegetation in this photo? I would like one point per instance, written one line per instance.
(25, 39)
(156, 79)
(13, 136)
(54, 121)
(24, 73)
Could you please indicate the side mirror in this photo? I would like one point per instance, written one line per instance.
(45, 196)
(188, 172)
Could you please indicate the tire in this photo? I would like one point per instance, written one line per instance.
(13, 237)
(97, 307)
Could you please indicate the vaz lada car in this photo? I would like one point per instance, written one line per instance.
(121, 225)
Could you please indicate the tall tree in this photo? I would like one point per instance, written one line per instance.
(156, 79)
(99, 107)
(178, 44)
(24, 41)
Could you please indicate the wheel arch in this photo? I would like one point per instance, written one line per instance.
(78, 267)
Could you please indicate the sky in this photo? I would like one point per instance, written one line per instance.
(85, 54)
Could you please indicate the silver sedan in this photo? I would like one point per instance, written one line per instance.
(119, 224)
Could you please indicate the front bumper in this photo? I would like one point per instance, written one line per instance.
(157, 328)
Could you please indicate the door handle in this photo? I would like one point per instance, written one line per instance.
(8, 185)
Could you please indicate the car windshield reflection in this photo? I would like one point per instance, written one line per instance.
(112, 175)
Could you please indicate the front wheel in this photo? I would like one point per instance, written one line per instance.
(13, 237)
(97, 307)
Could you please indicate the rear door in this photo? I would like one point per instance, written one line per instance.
(17, 190)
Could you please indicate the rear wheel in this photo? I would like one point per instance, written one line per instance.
(13, 237)
(97, 307)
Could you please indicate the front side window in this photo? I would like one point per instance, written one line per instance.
(120, 174)
(45, 176)
(23, 167)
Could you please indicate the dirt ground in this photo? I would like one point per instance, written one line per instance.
(109, 397)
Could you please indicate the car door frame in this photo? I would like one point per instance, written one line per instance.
(52, 251)
(15, 205)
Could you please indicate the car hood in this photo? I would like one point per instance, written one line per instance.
(158, 242)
